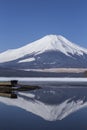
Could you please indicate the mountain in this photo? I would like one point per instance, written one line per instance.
(51, 51)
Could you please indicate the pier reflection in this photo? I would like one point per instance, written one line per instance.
(10, 88)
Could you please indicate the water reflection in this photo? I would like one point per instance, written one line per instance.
(10, 88)
(50, 103)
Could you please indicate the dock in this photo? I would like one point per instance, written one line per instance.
(11, 83)
(8, 88)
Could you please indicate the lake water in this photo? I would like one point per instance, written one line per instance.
(52, 107)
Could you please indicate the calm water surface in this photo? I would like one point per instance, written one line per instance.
(49, 108)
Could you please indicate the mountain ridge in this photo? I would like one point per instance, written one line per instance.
(47, 52)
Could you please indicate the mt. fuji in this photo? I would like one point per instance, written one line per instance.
(51, 51)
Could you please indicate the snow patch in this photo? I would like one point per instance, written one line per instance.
(27, 60)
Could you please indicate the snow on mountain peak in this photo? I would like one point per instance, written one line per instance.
(47, 43)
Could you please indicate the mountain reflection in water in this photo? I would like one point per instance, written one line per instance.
(50, 103)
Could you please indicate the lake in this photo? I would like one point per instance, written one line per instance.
(53, 107)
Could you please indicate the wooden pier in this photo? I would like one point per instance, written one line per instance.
(11, 83)
(8, 88)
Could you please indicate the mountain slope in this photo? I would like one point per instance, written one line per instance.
(51, 51)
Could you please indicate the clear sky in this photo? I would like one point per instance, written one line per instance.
(24, 21)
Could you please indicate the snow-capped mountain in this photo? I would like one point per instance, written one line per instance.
(52, 51)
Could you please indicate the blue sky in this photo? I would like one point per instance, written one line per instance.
(24, 21)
